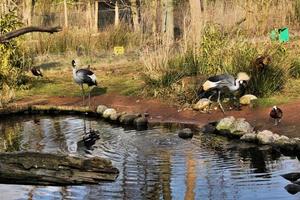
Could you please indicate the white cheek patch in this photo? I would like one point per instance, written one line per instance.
(93, 77)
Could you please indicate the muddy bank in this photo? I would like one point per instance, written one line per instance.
(160, 112)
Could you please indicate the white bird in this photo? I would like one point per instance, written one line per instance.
(216, 84)
(84, 76)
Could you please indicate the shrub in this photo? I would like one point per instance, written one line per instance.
(294, 70)
(13, 59)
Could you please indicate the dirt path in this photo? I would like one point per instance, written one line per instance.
(161, 112)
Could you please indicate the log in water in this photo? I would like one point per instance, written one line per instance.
(36, 168)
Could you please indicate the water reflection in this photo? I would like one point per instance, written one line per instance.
(153, 164)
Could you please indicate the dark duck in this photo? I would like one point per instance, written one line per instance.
(36, 71)
(276, 114)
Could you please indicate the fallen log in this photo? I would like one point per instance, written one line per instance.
(36, 168)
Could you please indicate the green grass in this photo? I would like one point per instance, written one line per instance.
(114, 74)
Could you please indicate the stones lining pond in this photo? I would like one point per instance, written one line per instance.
(153, 164)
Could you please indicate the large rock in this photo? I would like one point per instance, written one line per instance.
(108, 112)
(292, 188)
(101, 109)
(128, 119)
(234, 127)
(249, 137)
(266, 137)
(293, 176)
(185, 133)
(202, 104)
(286, 143)
(141, 122)
(246, 99)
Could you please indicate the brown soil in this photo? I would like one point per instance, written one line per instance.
(161, 112)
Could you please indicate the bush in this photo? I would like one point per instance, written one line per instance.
(294, 70)
(218, 54)
(13, 59)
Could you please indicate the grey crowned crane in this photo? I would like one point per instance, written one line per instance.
(84, 76)
(276, 114)
(216, 84)
(36, 71)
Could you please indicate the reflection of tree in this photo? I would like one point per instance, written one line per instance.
(191, 176)
(165, 175)
(10, 138)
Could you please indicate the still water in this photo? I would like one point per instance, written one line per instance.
(153, 164)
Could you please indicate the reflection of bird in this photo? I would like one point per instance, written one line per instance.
(90, 138)
(83, 76)
(276, 114)
(216, 84)
(36, 71)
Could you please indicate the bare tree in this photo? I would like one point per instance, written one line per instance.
(135, 14)
(117, 14)
(66, 13)
(168, 19)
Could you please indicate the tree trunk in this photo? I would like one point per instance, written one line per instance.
(54, 169)
(66, 13)
(117, 14)
(89, 14)
(135, 15)
(96, 15)
(168, 20)
(27, 12)
(195, 7)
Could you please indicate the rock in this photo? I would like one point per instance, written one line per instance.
(297, 182)
(209, 128)
(293, 176)
(128, 119)
(266, 137)
(101, 109)
(234, 127)
(249, 137)
(202, 104)
(108, 112)
(185, 133)
(285, 143)
(225, 123)
(141, 122)
(115, 116)
(292, 188)
(297, 143)
(246, 99)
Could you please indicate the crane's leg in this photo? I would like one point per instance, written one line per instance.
(90, 98)
(219, 94)
(82, 93)
(214, 93)
(276, 121)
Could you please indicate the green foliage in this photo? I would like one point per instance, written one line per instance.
(218, 54)
(12, 61)
(295, 69)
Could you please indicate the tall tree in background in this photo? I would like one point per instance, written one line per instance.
(196, 9)
(168, 19)
(135, 14)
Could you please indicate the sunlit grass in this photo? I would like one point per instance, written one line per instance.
(115, 75)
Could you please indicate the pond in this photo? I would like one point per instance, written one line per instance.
(153, 164)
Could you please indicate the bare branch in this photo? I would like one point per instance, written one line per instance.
(16, 33)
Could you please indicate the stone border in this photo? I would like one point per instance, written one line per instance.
(134, 120)
(241, 130)
(140, 121)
